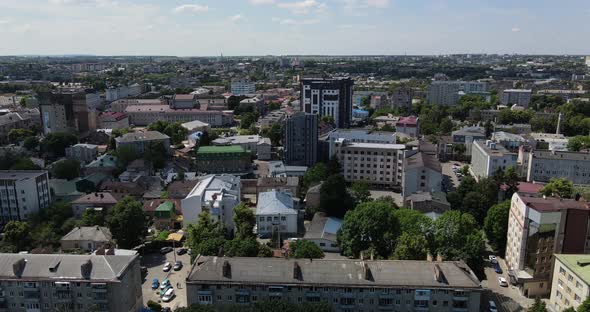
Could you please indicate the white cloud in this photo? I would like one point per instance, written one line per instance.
(288, 21)
(236, 18)
(191, 8)
(261, 2)
(515, 29)
(303, 7)
(365, 4)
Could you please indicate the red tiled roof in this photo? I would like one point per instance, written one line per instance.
(525, 187)
(408, 121)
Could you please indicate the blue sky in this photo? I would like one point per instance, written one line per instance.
(260, 27)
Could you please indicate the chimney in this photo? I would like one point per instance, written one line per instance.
(86, 269)
(297, 273)
(19, 266)
(367, 272)
(226, 269)
(429, 257)
(439, 258)
(110, 251)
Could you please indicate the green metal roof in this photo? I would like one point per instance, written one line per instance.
(573, 262)
(220, 149)
(166, 206)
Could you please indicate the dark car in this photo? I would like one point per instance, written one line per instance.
(497, 268)
(166, 309)
(165, 250)
(178, 266)
(144, 270)
(181, 251)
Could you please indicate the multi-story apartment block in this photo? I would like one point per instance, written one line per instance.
(328, 97)
(61, 282)
(122, 92)
(183, 101)
(120, 106)
(223, 159)
(218, 194)
(538, 228)
(544, 165)
(141, 140)
(448, 93)
(421, 172)
(566, 95)
(520, 97)
(401, 97)
(57, 110)
(276, 212)
(143, 115)
(254, 144)
(374, 163)
(23, 192)
(301, 139)
(84, 153)
(14, 120)
(359, 136)
(347, 285)
(487, 157)
(570, 283)
(242, 87)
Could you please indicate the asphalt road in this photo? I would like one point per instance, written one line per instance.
(155, 262)
(507, 299)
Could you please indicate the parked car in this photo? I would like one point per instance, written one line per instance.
(165, 284)
(502, 282)
(168, 295)
(155, 283)
(181, 251)
(163, 291)
(167, 267)
(166, 309)
(493, 307)
(178, 266)
(165, 250)
(493, 259)
(497, 268)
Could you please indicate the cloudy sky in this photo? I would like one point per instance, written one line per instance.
(260, 27)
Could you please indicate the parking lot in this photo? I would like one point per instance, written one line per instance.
(451, 177)
(154, 263)
(507, 299)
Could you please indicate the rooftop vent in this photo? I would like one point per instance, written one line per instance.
(19, 266)
(226, 269)
(583, 262)
(368, 275)
(86, 269)
(54, 265)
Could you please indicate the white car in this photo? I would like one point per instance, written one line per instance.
(167, 267)
(493, 259)
(168, 296)
(502, 281)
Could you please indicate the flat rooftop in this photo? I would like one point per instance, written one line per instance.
(578, 264)
(384, 273)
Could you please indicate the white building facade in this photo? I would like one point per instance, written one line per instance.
(23, 192)
(276, 212)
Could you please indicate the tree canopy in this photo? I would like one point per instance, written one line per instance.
(66, 169)
(496, 225)
(56, 143)
(127, 222)
(561, 187)
(305, 249)
(335, 199)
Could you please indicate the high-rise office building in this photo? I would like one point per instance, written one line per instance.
(328, 97)
(301, 139)
(69, 110)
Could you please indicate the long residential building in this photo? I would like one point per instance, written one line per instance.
(544, 165)
(448, 93)
(328, 97)
(571, 282)
(538, 228)
(374, 163)
(359, 136)
(23, 192)
(62, 282)
(143, 115)
(346, 285)
(487, 157)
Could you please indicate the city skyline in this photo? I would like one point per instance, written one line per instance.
(287, 27)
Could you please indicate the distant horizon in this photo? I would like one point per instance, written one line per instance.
(66, 55)
(202, 28)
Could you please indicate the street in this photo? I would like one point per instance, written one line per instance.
(507, 299)
(154, 263)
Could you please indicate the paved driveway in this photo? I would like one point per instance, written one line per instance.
(154, 262)
(507, 299)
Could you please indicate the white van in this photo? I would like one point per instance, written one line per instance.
(168, 296)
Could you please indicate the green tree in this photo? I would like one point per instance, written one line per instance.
(313, 176)
(569, 309)
(248, 119)
(126, 154)
(15, 136)
(305, 249)
(370, 226)
(196, 308)
(244, 220)
(56, 143)
(242, 247)
(459, 150)
(446, 126)
(24, 164)
(31, 143)
(334, 199)
(585, 306)
(360, 192)
(274, 133)
(17, 234)
(561, 187)
(158, 125)
(154, 306)
(127, 223)
(91, 217)
(539, 306)
(457, 237)
(176, 132)
(156, 153)
(578, 143)
(496, 225)
(205, 237)
(66, 169)
(411, 247)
